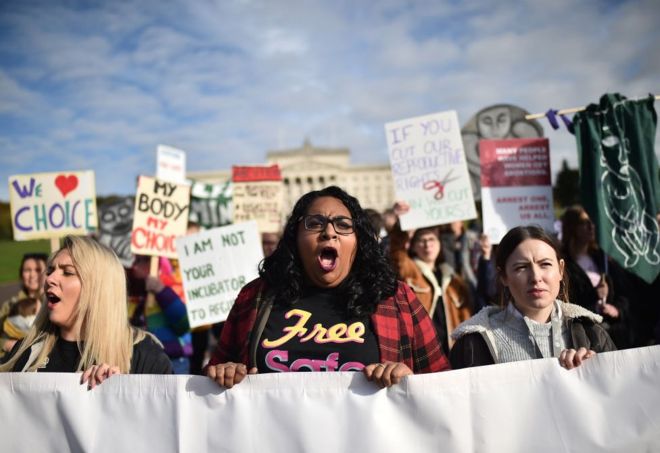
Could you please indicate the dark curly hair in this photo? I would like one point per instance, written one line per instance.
(370, 280)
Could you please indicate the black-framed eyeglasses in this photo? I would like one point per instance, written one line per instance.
(317, 222)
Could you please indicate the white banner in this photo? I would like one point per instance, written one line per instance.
(610, 404)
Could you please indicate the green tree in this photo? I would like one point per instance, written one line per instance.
(5, 222)
(566, 191)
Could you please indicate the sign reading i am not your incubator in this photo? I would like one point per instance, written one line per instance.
(215, 265)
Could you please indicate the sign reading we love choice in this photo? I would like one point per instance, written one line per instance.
(51, 205)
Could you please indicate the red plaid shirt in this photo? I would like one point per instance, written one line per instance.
(404, 331)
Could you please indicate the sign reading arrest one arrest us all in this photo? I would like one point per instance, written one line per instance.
(51, 205)
(215, 265)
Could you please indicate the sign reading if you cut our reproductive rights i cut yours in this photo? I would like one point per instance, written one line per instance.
(429, 170)
(215, 264)
(52, 205)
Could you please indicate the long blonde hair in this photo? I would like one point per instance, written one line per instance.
(101, 314)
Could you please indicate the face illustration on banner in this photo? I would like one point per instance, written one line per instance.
(635, 233)
(494, 122)
(115, 223)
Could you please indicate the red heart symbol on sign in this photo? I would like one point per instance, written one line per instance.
(66, 183)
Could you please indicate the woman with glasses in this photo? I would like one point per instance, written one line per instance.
(419, 262)
(327, 300)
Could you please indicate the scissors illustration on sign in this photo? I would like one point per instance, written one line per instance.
(439, 185)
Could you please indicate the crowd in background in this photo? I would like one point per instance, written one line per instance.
(451, 270)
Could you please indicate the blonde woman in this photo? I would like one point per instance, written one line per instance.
(83, 324)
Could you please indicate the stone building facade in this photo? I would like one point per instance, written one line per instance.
(312, 168)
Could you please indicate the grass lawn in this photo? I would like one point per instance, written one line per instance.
(11, 253)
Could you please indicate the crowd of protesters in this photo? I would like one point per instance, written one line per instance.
(342, 288)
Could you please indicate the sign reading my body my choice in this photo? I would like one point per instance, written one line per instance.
(161, 214)
(429, 170)
(51, 205)
(215, 265)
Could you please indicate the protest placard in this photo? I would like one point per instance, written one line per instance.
(115, 225)
(259, 195)
(211, 204)
(516, 187)
(429, 170)
(171, 164)
(161, 214)
(215, 265)
(52, 205)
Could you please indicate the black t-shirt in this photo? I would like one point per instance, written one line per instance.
(316, 334)
(148, 358)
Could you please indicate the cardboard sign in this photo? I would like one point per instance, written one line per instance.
(259, 195)
(161, 214)
(215, 265)
(516, 188)
(52, 205)
(171, 164)
(429, 170)
(115, 224)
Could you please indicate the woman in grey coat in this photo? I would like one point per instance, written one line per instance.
(535, 320)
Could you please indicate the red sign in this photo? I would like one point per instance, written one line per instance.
(254, 174)
(515, 162)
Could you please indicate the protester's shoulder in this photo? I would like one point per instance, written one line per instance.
(470, 350)
(402, 296)
(250, 292)
(579, 313)
(149, 357)
(252, 288)
(480, 322)
(8, 304)
(5, 358)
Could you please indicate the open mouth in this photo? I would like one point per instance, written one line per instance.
(52, 298)
(328, 259)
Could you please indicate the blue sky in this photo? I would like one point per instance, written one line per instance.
(98, 85)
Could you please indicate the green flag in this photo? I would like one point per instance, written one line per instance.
(211, 204)
(619, 180)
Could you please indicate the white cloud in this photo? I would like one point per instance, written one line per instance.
(229, 80)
